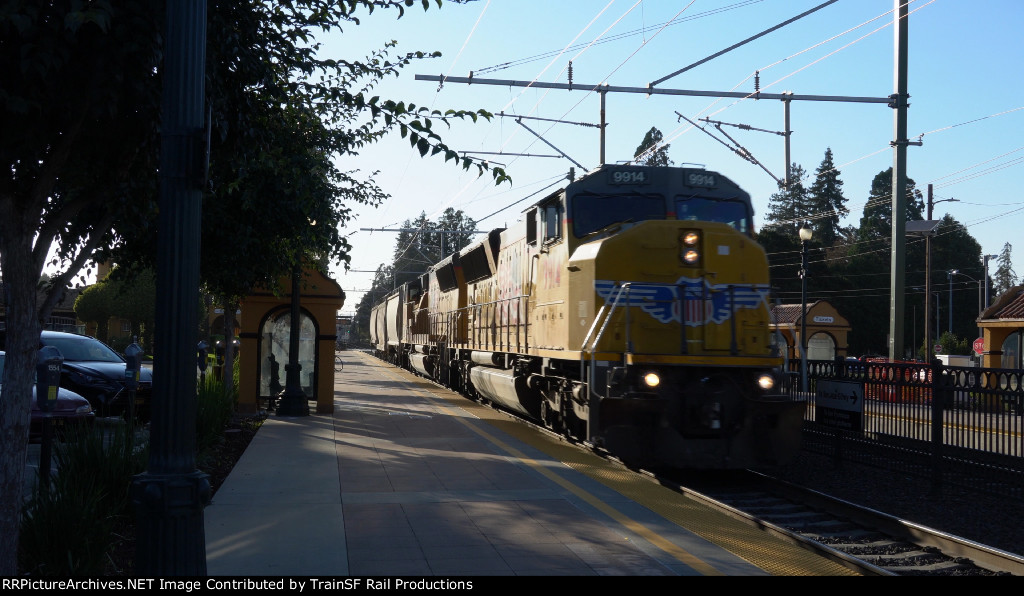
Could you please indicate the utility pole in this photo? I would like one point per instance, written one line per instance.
(899, 185)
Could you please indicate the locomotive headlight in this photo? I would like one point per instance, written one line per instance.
(690, 253)
(652, 379)
(766, 382)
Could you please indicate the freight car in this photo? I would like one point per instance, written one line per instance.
(628, 310)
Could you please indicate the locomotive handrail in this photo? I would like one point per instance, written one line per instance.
(478, 337)
(621, 289)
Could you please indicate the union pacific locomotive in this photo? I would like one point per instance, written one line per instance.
(628, 310)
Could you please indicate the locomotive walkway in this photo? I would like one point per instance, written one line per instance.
(407, 479)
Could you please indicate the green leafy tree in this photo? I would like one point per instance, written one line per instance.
(96, 304)
(825, 201)
(1004, 277)
(136, 302)
(651, 151)
(81, 113)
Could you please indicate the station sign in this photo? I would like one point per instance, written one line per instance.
(840, 404)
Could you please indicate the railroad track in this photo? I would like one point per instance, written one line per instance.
(866, 540)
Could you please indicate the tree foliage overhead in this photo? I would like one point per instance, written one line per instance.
(81, 110)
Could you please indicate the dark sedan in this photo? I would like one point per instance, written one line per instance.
(94, 370)
(71, 410)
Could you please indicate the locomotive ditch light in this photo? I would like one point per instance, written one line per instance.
(690, 253)
(652, 379)
(766, 381)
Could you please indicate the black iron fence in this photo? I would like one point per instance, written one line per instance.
(957, 425)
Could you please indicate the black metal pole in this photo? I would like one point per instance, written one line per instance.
(293, 400)
(803, 316)
(170, 496)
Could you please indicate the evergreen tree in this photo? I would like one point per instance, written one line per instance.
(651, 152)
(876, 222)
(788, 209)
(826, 203)
(1004, 277)
(415, 250)
(456, 231)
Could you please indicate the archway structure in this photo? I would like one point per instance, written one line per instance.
(827, 330)
(265, 328)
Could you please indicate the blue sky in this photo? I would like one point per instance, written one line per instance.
(964, 81)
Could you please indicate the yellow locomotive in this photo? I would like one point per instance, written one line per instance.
(628, 310)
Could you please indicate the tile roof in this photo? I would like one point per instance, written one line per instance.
(1009, 305)
(788, 314)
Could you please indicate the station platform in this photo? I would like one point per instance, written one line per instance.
(407, 479)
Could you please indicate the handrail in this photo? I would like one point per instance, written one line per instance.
(604, 319)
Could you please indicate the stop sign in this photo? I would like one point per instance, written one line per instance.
(979, 346)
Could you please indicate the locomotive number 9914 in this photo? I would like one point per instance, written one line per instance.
(628, 177)
(700, 179)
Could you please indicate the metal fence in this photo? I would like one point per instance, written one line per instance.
(957, 425)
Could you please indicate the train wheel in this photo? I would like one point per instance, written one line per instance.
(552, 419)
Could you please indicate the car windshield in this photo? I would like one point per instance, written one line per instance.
(82, 348)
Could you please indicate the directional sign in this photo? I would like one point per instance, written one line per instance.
(979, 346)
(840, 404)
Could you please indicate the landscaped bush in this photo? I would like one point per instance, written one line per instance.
(67, 526)
(216, 406)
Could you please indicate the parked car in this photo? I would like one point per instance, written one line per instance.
(71, 411)
(95, 371)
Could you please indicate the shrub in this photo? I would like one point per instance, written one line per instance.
(216, 406)
(67, 525)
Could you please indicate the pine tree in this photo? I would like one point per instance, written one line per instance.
(826, 202)
(788, 208)
(1004, 277)
(876, 222)
(651, 152)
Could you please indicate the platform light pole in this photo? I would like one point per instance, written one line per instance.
(170, 495)
(987, 303)
(293, 400)
(805, 236)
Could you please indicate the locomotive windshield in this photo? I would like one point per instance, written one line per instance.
(734, 213)
(591, 212)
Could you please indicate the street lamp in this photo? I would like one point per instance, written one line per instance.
(978, 281)
(987, 257)
(927, 229)
(950, 275)
(805, 235)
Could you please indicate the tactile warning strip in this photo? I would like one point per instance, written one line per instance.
(769, 553)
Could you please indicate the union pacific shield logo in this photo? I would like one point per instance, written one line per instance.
(704, 302)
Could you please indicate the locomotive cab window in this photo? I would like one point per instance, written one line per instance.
(531, 226)
(733, 213)
(552, 222)
(593, 212)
